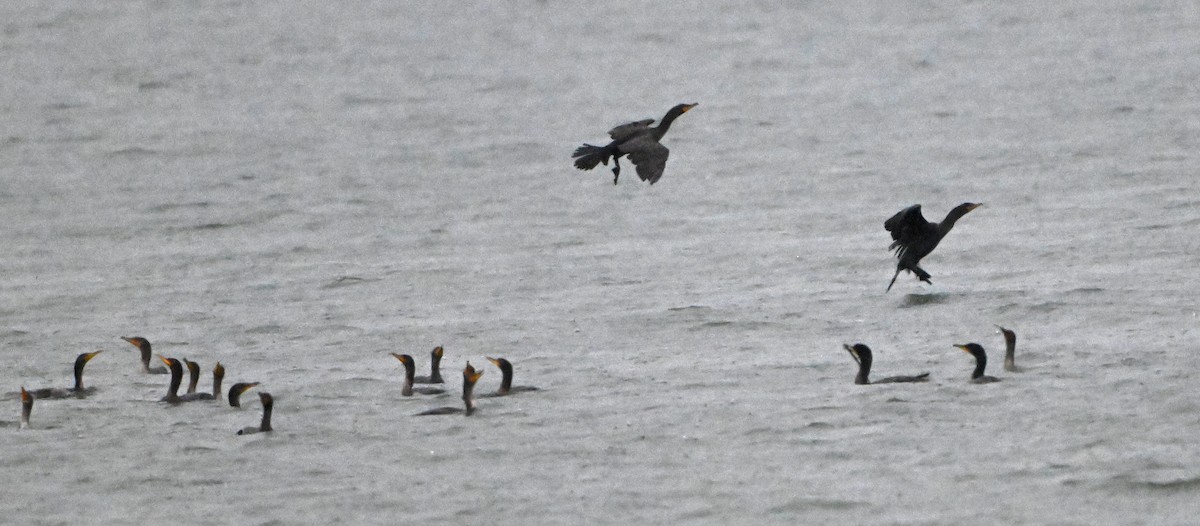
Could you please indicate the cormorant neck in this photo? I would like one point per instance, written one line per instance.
(266, 418)
(176, 380)
(26, 410)
(145, 349)
(952, 217)
(79, 363)
(864, 373)
(409, 374)
(193, 377)
(506, 375)
(1010, 350)
(665, 124)
(469, 398)
(435, 368)
(217, 379)
(980, 364)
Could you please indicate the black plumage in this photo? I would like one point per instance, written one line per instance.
(862, 354)
(637, 140)
(913, 237)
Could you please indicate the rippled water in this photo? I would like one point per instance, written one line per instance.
(297, 190)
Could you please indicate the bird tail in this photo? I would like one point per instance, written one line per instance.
(894, 276)
(588, 156)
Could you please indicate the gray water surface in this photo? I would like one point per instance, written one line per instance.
(299, 189)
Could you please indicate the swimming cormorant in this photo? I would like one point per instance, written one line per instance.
(78, 390)
(862, 354)
(976, 350)
(637, 140)
(409, 369)
(506, 372)
(914, 237)
(173, 397)
(1010, 350)
(268, 402)
(470, 376)
(435, 368)
(143, 345)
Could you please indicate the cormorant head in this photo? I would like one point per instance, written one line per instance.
(1010, 337)
(193, 367)
(967, 207)
(218, 370)
(137, 341)
(26, 398)
(266, 399)
(173, 365)
(974, 349)
(470, 376)
(406, 360)
(504, 365)
(860, 352)
(83, 359)
(235, 392)
(437, 352)
(680, 109)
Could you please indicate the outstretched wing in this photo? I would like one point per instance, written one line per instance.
(648, 155)
(908, 226)
(625, 131)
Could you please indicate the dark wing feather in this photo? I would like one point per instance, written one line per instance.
(648, 155)
(625, 131)
(908, 226)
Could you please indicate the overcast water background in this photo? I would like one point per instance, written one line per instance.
(298, 189)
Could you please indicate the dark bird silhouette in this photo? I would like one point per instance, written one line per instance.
(194, 372)
(435, 368)
(976, 350)
(862, 354)
(173, 397)
(76, 391)
(143, 345)
(268, 403)
(637, 140)
(914, 238)
(1010, 350)
(470, 377)
(409, 371)
(506, 375)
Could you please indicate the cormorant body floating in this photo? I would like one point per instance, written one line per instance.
(506, 386)
(409, 369)
(862, 354)
(637, 140)
(173, 396)
(914, 237)
(78, 390)
(470, 376)
(435, 368)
